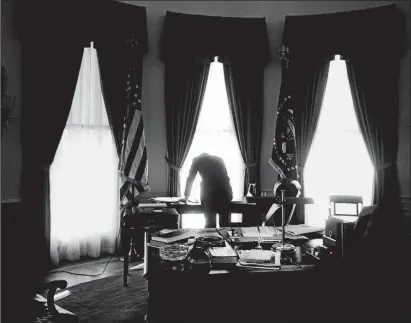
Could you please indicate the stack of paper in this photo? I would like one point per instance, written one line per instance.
(166, 199)
(256, 256)
(224, 254)
(265, 232)
(268, 234)
(152, 205)
(302, 229)
(173, 236)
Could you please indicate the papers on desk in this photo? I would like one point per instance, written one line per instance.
(168, 236)
(268, 233)
(258, 259)
(152, 205)
(299, 229)
(256, 256)
(166, 199)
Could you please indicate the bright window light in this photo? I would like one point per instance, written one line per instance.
(338, 162)
(215, 135)
(84, 195)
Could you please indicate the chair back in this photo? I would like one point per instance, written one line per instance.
(336, 200)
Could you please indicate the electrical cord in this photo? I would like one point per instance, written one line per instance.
(91, 275)
(80, 274)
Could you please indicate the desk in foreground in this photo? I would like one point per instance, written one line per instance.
(231, 293)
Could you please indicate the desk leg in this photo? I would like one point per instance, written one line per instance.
(126, 248)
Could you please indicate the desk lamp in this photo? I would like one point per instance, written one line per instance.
(287, 250)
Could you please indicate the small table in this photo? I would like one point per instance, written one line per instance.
(133, 221)
(251, 215)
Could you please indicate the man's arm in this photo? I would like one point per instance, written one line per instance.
(190, 179)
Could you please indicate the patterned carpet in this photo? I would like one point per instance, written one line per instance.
(106, 300)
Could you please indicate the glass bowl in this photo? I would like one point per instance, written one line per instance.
(174, 252)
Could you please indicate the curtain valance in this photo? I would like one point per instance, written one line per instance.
(54, 22)
(188, 35)
(371, 32)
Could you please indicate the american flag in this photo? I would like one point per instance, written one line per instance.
(133, 160)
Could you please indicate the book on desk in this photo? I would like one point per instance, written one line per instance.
(267, 234)
(220, 255)
(167, 236)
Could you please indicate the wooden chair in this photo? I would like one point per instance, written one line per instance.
(47, 310)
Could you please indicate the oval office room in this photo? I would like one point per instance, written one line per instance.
(205, 161)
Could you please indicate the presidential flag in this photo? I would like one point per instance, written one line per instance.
(133, 160)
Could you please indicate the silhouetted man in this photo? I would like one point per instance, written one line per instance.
(216, 192)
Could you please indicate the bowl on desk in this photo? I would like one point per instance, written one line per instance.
(173, 257)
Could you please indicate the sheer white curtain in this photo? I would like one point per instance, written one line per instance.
(338, 163)
(83, 177)
(215, 135)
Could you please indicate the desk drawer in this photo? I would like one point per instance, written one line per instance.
(166, 218)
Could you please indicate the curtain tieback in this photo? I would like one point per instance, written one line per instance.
(172, 166)
(135, 182)
(384, 166)
(250, 165)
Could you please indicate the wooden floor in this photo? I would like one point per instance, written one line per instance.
(94, 268)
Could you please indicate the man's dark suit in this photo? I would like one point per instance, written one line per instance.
(216, 191)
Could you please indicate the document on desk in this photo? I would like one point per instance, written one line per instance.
(258, 259)
(166, 199)
(298, 229)
(256, 256)
(152, 205)
(168, 236)
(268, 233)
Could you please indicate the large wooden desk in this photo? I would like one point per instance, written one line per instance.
(360, 289)
(232, 294)
(250, 211)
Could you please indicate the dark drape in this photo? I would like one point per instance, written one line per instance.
(374, 87)
(185, 83)
(242, 45)
(203, 36)
(245, 86)
(53, 37)
(359, 36)
(309, 82)
(113, 79)
(301, 95)
(52, 49)
(121, 42)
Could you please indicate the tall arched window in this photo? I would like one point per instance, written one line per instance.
(83, 176)
(338, 162)
(215, 135)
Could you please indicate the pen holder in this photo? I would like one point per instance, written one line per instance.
(173, 257)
